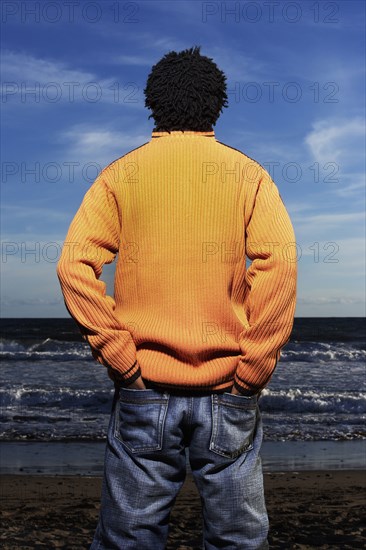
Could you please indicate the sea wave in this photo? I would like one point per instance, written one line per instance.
(65, 413)
(58, 350)
(293, 400)
(61, 398)
(47, 349)
(321, 353)
(307, 401)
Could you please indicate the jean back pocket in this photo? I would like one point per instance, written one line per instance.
(140, 419)
(233, 424)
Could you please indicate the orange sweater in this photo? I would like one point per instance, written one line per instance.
(182, 212)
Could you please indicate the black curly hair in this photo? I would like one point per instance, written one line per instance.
(185, 91)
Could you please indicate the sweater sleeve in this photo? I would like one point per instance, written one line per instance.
(92, 241)
(270, 296)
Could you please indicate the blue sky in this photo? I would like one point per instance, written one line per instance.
(72, 101)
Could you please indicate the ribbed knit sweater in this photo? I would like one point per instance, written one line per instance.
(182, 213)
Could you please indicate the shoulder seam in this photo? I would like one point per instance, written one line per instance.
(121, 157)
(241, 152)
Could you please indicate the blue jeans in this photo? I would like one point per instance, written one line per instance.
(145, 467)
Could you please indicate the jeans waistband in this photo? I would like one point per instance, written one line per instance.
(188, 392)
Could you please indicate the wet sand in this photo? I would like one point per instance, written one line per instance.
(307, 509)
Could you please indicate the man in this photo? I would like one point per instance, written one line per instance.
(192, 335)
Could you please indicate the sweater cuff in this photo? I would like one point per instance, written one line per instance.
(244, 388)
(126, 378)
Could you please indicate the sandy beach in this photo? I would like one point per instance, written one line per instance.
(307, 509)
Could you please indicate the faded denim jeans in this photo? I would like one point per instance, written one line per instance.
(145, 467)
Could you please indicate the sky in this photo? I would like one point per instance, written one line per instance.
(73, 75)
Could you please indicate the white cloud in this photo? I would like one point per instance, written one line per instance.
(345, 227)
(22, 67)
(20, 212)
(87, 143)
(329, 300)
(167, 43)
(135, 60)
(241, 68)
(326, 221)
(352, 189)
(11, 302)
(346, 257)
(340, 141)
(327, 243)
(37, 81)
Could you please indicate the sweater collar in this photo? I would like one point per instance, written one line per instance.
(182, 133)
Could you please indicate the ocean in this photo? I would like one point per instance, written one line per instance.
(52, 390)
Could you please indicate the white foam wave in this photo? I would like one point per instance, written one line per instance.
(308, 401)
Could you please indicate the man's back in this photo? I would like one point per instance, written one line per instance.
(182, 211)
